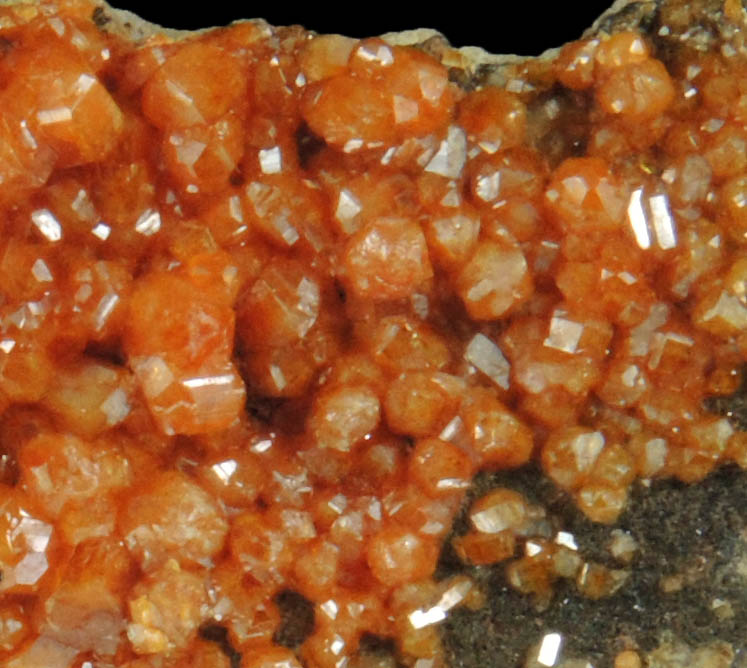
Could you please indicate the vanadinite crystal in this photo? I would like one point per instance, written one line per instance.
(269, 300)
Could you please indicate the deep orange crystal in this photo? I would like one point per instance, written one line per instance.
(270, 299)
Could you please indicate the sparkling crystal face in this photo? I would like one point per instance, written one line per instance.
(269, 301)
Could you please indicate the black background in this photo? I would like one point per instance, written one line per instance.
(525, 27)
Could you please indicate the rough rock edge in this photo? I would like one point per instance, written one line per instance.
(470, 59)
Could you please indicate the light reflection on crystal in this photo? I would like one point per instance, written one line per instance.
(378, 53)
(374, 510)
(28, 538)
(79, 40)
(337, 645)
(421, 618)
(225, 469)
(452, 197)
(308, 304)
(564, 334)
(641, 335)
(293, 488)
(566, 539)
(388, 155)
(287, 232)
(637, 218)
(234, 208)
(664, 226)
(487, 146)
(655, 456)
(116, 407)
(205, 381)
(83, 206)
(652, 221)
(502, 513)
(338, 503)
(30, 569)
(425, 663)
(454, 427)
(429, 147)
(586, 448)
(659, 342)
(452, 597)
(518, 86)
(104, 309)
(148, 223)
(195, 117)
(47, 224)
(270, 160)
(532, 548)
(489, 186)
(83, 84)
(489, 359)
(298, 524)
(576, 189)
(57, 24)
(41, 272)
(278, 377)
(29, 316)
(28, 138)
(549, 651)
(712, 125)
(451, 155)
(420, 305)
(56, 115)
(623, 545)
(631, 376)
(188, 151)
(155, 375)
(352, 145)
(330, 608)
(263, 445)
(432, 85)
(729, 309)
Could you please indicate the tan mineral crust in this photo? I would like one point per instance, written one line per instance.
(311, 346)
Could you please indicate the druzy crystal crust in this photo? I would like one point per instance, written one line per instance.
(269, 300)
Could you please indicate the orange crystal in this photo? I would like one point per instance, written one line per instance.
(271, 299)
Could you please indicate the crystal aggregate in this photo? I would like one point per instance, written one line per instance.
(270, 299)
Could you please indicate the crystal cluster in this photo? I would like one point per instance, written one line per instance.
(269, 300)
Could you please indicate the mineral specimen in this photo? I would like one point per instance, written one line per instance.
(271, 299)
